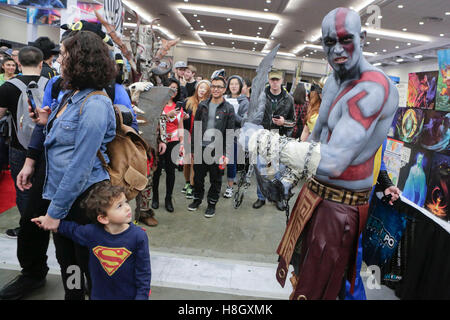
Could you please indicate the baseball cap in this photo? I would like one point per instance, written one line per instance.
(180, 64)
(278, 74)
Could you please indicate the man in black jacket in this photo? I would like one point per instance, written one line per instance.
(49, 49)
(212, 135)
(278, 111)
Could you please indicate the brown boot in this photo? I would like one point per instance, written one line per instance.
(148, 218)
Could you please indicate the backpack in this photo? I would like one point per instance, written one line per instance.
(25, 124)
(57, 87)
(127, 154)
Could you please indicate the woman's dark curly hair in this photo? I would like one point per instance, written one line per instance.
(178, 96)
(87, 63)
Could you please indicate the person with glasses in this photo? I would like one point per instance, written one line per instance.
(213, 120)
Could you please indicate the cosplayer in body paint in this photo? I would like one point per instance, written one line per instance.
(358, 105)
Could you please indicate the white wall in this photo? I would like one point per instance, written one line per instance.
(13, 27)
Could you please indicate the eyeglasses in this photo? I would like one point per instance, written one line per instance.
(217, 87)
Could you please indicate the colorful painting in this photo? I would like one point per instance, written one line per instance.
(443, 87)
(422, 89)
(393, 159)
(391, 131)
(414, 175)
(409, 124)
(437, 201)
(436, 131)
(53, 4)
(43, 16)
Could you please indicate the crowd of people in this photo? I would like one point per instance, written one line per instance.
(60, 183)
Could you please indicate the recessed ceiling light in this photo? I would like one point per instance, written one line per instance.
(367, 23)
(195, 15)
(375, 52)
(396, 47)
(408, 44)
(380, 17)
(255, 42)
(400, 60)
(268, 1)
(400, 6)
(260, 28)
(305, 41)
(212, 43)
(271, 38)
(232, 42)
(421, 23)
(384, 50)
(234, 48)
(230, 30)
(404, 29)
(377, 64)
(378, 39)
(258, 33)
(202, 26)
(129, 18)
(419, 56)
(125, 28)
(228, 19)
(265, 9)
(192, 28)
(198, 20)
(441, 34)
(447, 13)
(368, 42)
(186, 0)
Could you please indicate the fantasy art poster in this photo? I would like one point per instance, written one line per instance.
(443, 87)
(422, 89)
(414, 175)
(43, 16)
(438, 187)
(391, 131)
(393, 159)
(436, 131)
(409, 124)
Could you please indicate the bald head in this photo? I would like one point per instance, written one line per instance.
(342, 39)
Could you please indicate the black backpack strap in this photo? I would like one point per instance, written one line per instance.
(111, 91)
(56, 88)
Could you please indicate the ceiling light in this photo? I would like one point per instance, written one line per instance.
(408, 44)
(230, 30)
(441, 35)
(198, 20)
(265, 9)
(404, 29)
(234, 48)
(400, 6)
(260, 28)
(368, 42)
(212, 43)
(367, 23)
(186, 0)
(271, 38)
(377, 64)
(400, 60)
(258, 33)
(195, 15)
(378, 39)
(384, 50)
(380, 17)
(228, 19)
(396, 47)
(419, 56)
(421, 22)
(375, 53)
(447, 13)
(232, 42)
(268, 1)
(192, 28)
(202, 27)
(129, 18)
(305, 41)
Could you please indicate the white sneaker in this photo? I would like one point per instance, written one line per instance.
(228, 193)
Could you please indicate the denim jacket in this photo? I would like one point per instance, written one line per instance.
(71, 149)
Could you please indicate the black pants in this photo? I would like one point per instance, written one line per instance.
(72, 257)
(32, 241)
(215, 178)
(165, 161)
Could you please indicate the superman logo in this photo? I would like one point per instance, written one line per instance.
(111, 258)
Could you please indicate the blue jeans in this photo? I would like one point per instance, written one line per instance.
(231, 167)
(16, 162)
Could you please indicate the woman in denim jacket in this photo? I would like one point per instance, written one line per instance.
(75, 130)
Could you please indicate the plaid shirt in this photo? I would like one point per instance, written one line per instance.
(300, 116)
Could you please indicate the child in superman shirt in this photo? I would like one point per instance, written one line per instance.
(119, 261)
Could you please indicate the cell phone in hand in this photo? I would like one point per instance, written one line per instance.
(178, 106)
(276, 117)
(31, 101)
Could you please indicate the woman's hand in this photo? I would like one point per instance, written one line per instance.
(25, 175)
(394, 192)
(172, 113)
(185, 116)
(47, 223)
(40, 115)
(162, 148)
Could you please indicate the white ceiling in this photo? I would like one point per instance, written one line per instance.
(295, 24)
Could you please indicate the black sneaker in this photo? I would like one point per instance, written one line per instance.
(12, 233)
(210, 211)
(19, 287)
(194, 205)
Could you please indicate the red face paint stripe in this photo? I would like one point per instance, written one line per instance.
(341, 15)
(358, 172)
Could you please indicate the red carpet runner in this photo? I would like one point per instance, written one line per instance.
(7, 191)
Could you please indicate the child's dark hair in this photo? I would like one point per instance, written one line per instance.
(100, 199)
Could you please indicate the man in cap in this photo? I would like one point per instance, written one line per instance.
(180, 67)
(279, 109)
(49, 49)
